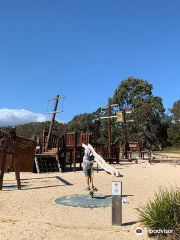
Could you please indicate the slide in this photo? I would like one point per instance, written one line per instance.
(102, 163)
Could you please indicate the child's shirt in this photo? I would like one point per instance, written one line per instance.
(87, 163)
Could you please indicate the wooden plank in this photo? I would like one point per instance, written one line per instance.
(37, 166)
(102, 163)
(112, 105)
(51, 125)
(59, 111)
(154, 161)
(58, 164)
(6, 141)
(56, 98)
(108, 117)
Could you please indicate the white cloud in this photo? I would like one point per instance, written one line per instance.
(13, 117)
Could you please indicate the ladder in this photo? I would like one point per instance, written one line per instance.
(47, 163)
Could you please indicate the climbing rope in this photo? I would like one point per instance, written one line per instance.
(62, 104)
(47, 107)
(51, 105)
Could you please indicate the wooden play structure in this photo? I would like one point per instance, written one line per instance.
(9, 141)
(110, 154)
(113, 154)
(135, 147)
(57, 152)
(25, 149)
(62, 151)
(16, 154)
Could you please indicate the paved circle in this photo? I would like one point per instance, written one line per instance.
(85, 201)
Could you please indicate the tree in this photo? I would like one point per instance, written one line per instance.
(174, 128)
(150, 125)
(131, 93)
(36, 128)
(175, 110)
(82, 122)
(148, 111)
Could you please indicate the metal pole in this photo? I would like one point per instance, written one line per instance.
(52, 123)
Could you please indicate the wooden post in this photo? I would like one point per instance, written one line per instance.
(81, 158)
(109, 129)
(149, 156)
(117, 203)
(52, 123)
(74, 166)
(44, 141)
(125, 135)
(109, 126)
(64, 163)
(16, 164)
(70, 159)
(5, 147)
(75, 145)
(97, 168)
(116, 211)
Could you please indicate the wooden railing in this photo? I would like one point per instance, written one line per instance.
(68, 139)
(52, 143)
(71, 139)
(85, 138)
(105, 152)
(61, 144)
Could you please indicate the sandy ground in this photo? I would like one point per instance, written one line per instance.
(31, 213)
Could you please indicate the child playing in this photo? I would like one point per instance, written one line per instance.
(87, 164)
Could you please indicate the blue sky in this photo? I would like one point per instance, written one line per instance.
(83, 49)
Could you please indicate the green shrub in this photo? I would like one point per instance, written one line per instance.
(163, 212)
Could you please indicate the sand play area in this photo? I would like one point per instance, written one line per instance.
(31, 213)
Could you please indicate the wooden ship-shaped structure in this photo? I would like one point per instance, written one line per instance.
(58, 152)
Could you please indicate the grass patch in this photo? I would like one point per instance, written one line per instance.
(167, 150)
